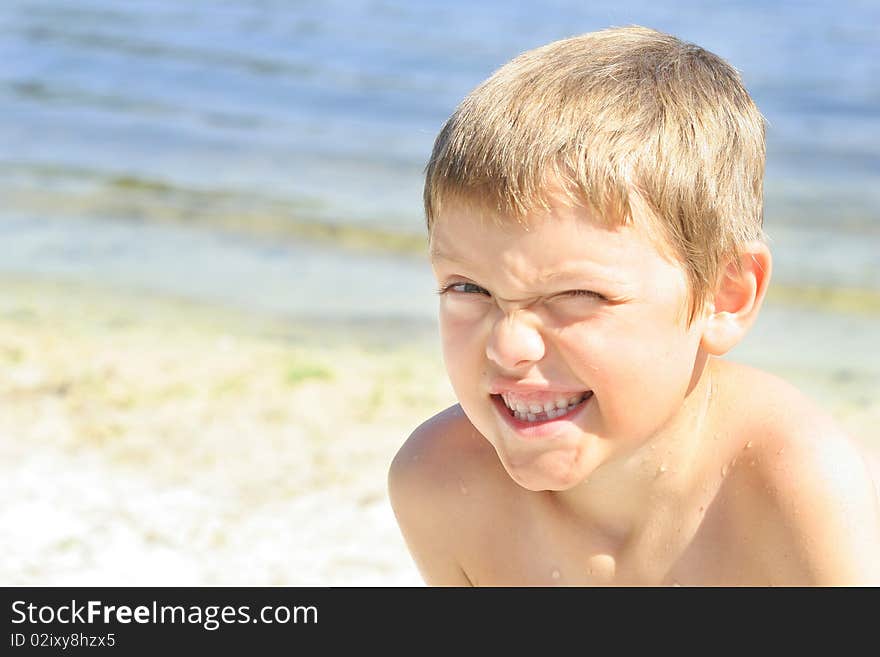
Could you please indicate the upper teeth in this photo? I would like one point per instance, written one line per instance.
(552, 408)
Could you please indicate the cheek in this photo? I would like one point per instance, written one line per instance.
(456, 336)
(462, 350)
(656, 358)
(640, 368)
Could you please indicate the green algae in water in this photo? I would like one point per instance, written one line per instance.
(90, 193)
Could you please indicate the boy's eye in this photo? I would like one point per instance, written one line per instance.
(582, 293)
(464, 288)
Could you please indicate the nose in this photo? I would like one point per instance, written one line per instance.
(515, 341)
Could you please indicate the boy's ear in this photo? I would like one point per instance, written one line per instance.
(737, 299)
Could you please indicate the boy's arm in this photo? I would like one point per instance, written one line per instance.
(416, 488)
(825, 500)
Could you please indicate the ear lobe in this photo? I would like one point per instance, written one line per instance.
(737, 299)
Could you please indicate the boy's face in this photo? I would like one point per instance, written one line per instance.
(566, 343)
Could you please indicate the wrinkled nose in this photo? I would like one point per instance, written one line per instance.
(515, 342)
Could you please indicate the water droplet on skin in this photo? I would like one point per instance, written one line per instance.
(749, 445)
(781, 449)
(555, 574)
(463, 489)
(603, 566)
(723, 470)
(661, 470)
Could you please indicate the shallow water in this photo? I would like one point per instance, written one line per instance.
(306, 282)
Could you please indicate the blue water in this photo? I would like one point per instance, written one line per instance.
(326, 112)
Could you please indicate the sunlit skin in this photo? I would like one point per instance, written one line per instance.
(665, 465)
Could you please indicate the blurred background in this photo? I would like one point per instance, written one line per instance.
(217, 322)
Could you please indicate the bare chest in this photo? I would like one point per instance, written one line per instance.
(702, 549)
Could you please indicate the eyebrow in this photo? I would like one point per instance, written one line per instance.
(436, 254)
(550, 278)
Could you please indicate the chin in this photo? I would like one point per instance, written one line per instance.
(548, 472)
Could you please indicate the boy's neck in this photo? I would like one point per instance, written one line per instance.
(624, 496)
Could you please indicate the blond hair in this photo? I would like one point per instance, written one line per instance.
(617, 116)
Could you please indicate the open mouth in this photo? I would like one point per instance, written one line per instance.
(531, 410)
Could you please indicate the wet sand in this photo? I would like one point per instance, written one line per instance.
(153, 441)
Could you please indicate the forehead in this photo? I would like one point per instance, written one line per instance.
(563, 237)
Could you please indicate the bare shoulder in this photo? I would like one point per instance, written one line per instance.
(807, 490)
(426, 482)
(437, 454)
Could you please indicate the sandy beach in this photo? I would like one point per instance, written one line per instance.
(147, 440)
(151, 441)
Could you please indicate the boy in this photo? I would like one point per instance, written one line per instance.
(594, 211)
